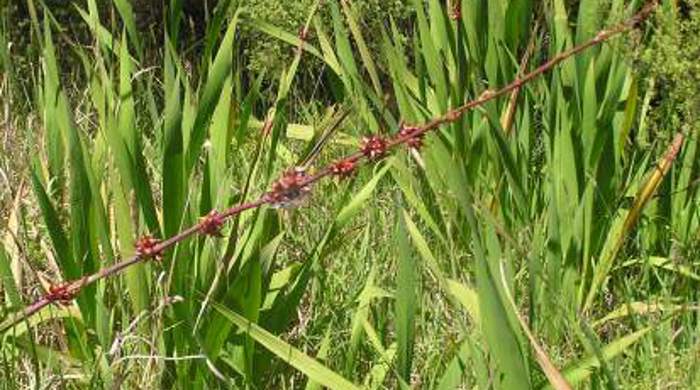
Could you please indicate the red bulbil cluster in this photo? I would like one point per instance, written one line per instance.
(147, 247)
(211, 224)
(373, 147)
(62, 293)
(288, 188)
(414, 138)
(344, 168)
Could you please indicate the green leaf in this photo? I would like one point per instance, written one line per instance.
(220, 132)
(53, 123)
(358, 201)
(467, 297)
(102, 35)
(7, 279)
(639, 309)
(431, 56)
(680, 269)
(126, 13)
(173, 171)
(455, 372)
(47, 313)
(362, 47)
(64, 253)
(135, 277)
(322, 354)
(292, 39)
(220, 70)
(580, 370)
(133, 163)
(407, 281)
(501, 336)
(292, 356)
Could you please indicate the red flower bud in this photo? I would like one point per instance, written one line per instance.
(373, 147)
(343, 168)
(288, 189)
(211, 224)
(414, 138)
(147, 247)
(62, 293)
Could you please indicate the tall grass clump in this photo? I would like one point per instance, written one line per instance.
(484, 194)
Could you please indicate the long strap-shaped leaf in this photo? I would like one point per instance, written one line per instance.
(297, 359)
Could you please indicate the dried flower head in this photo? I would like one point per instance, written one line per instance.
(147, 247)
(62, 293)
(343, 168)
(414, 138)
(289, 189)
(373, 147)
(211, 224)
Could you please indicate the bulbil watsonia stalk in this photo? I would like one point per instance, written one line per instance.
(296, 183)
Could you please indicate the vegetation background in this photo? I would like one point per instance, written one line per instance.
(559, 221)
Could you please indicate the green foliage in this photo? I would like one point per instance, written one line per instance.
(271, 56)
(674, 79)
(544, 218)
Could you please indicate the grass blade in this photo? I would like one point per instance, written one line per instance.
(579, 371)
(309, 366)
(7, 279)
(220, 70)
(406, 300)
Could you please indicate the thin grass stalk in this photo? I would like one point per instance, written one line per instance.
(294, 184)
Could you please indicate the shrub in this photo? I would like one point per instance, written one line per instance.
(271, 55)
(676, 75)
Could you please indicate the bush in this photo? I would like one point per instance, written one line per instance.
(271, 55)
(676, 76)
